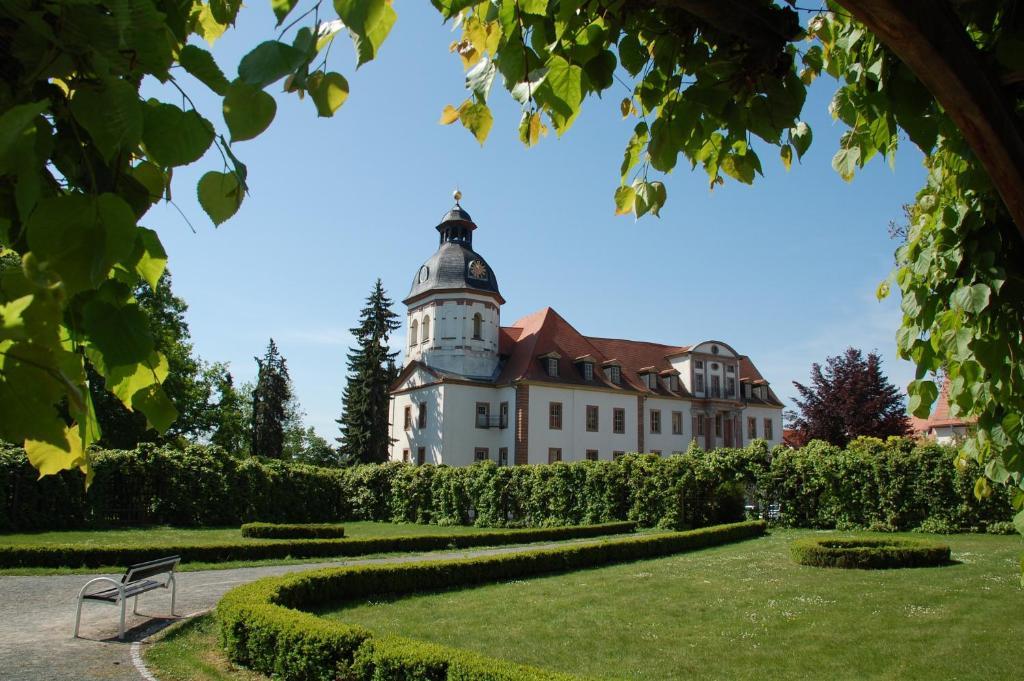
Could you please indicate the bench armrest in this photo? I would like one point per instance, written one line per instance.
(119, 585)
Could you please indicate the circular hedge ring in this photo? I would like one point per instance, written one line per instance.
(869, 554)
(295, 531)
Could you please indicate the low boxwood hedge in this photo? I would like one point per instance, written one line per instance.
(73, 555)
(264, 625)
(869, 554)
(292, 531)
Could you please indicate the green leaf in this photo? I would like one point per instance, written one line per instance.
(13, 124)
(523, 91)
(477, 119)
(624, 198)
(480, 77)
(269, 62)
(800, 136)
(369, 22)
(922, 394)
(982, 489)
(650, 197)
(536, 7)
(152, 177)
(632, 54)
(127, 380)
(201, 64)
(633, 149)
(248, 110)
(328, 91)
(152, 258)
(173, 137)
(111, 113)
(1018, 522)
(159, 410)
(120, 333)
(973, 299)
(561, 93)
(80, 238)
(219, 195)
(845, 162)
(282, 8)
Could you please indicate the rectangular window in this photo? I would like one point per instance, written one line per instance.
(677, 423)
(751, 428)
(405, 456)
(555, 415)
(408, 416)
(483, 414)
(591, 455)
(421, 456)
(730, 369)
(618, 420)
(716, 386)
(615, 375)
(698, 383)
(481, 454)
(673, 383)
(718, 425)
(617, 455)
(421, 417)
(699, 364)
(554, 454)
(768, 429)
(700, 425)
(730, 387)
(503, 415)
(503, 456)
(552, 366)
(746, 390)
(588, 371)
(655, 420)
(591, 418)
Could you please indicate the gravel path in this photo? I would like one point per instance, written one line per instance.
(37, 617)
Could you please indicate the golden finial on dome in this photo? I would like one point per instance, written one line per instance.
(457, 195)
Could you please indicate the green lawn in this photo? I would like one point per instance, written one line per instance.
(213, 535)
(742, 611)
(189, 652)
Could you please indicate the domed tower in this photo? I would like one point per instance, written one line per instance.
(454, 306)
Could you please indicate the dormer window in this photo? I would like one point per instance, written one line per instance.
(673, 383)
(552, 366)
(588, 371)
(614, 374)
(746, 391)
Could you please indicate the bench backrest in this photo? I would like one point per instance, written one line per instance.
(151, 567)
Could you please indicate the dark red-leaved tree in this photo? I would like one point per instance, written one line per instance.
(847, 398)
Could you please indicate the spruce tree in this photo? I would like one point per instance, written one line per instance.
(269, 404)
(371, 369)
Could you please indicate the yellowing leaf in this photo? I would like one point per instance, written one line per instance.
(53, 457)
(328, 91)
(449, 115)
(786, 154)
(207, 26)
(624, 198)
(531, 127)
(477, 119)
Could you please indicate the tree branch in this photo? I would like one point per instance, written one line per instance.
(930, 39)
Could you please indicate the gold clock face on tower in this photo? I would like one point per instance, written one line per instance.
(478, 270)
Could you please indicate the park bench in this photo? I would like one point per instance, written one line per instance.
(135, 581)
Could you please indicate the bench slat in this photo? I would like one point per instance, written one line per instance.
(133, 589)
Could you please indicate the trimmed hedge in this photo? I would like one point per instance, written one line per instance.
(885, 485)
(264, 625)
(869, 554)
(292, 531)
(72, 555)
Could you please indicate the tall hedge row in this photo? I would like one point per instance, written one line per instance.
(895, 484)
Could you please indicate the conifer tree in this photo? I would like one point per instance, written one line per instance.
(848, 398)
(371, 369)
(269, 404)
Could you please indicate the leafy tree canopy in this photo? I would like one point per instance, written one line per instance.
(82, 156)
(848, 398)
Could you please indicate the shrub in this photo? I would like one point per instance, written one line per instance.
(264, 627)
(869, 554)
(77, 555)
(1002, 527)
(292, 531)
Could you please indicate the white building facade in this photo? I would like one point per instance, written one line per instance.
(538, 391)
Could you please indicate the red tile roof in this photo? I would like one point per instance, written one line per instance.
(545, 331)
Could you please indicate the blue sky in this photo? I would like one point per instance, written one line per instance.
(784, 271)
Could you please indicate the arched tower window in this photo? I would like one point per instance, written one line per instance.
(413, 328)
(426, 328)
(478, 323)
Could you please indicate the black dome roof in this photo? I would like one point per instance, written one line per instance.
(455, 265)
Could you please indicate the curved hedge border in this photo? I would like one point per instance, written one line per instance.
(869, 554)
(292, 531)
(263, 626)
(71, 555)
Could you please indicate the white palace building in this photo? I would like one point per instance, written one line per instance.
(539, 391)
